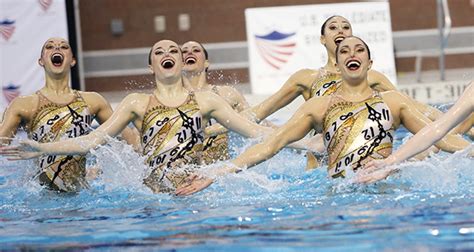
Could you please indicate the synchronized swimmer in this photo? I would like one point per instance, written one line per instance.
(170, 120)
(196, 65)
(57, 112)
(358, 122)
(356, 108)
(327, 79)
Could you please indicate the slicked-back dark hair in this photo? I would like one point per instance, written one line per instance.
(44, 45)
(206, 54)
(323, 27)
(204, 49)
(151, 50)
(149, 56)
(363, 42)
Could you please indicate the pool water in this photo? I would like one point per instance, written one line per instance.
(277, 206)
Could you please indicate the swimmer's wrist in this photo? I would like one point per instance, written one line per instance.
(233, 169)
(391, 160)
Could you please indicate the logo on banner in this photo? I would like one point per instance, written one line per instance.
(10, 92)
(45, 4)
(7, 28)
(276, 48)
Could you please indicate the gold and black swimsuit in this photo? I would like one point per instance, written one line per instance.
(327, 83)
(54, 122)
(216, 148)
(356, 132)
(171, 138)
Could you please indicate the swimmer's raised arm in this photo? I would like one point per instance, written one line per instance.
(126, 112)
(297, 84)
(232, 120)
(214, 106)
(295, 129)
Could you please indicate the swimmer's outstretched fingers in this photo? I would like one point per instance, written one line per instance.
(374, 171)
(197, 184)
(25, 150)
(4, 141)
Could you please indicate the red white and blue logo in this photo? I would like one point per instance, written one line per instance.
(7, 28)
(45, 4)
(276, 48)
(10, 92)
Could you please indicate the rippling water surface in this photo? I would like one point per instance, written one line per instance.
(277, 205)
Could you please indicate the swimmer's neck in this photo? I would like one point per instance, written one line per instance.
(356, 89)
(331, 64)
(170, 89)
(57, 83)
(197, 81)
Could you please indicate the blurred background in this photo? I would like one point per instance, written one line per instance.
(433, 41)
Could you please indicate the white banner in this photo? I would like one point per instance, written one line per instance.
(435, 93)
(24, 26)
(282, 40)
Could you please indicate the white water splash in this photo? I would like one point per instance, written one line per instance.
(121, 166)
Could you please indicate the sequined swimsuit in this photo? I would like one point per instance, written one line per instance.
(216, 148)
(171, 138)
(356, 132)
(54, 122)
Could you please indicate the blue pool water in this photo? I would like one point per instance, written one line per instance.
(275, 207)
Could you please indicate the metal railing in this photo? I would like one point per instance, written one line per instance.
(444, 28)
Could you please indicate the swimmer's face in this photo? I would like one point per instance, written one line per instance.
(353, 59)
(194, 58)
(166, 60)
(336, 29)
(56, 56)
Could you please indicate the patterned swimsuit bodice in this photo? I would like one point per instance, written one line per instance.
(171, 137)
(54, 122)
(326, 84)
(356, 132)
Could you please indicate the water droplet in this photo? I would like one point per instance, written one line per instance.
(434, 232)
(466, 230)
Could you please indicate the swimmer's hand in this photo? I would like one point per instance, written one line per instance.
(314, 144)
(195, 184)
(374, 171)
(26, 150)
(317, 144)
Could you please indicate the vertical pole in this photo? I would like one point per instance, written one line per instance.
(440, 14)
(80, 58)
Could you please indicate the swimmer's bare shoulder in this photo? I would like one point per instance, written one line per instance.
(133, 106)
(396, 101)
(305, 77)
(208, 101)
(20, 111)
(235, 99)
(95, 101)
(392, 97)
(299, 82)
(316, 107)
(24, 106)
(379, 81)
(137, 101)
